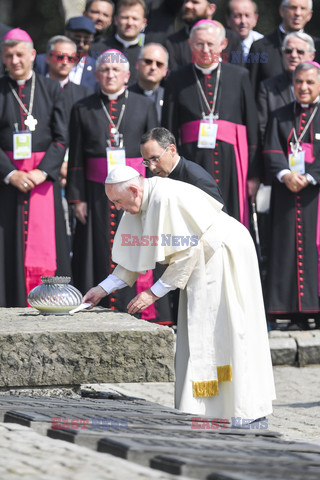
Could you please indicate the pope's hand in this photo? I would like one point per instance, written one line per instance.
(94, 295)
(141, 301)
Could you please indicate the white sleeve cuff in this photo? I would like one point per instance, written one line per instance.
(310, 179)
(7, 178)
(282, 173)
(112, 283)
(161, 288)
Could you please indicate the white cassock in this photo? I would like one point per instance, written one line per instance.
(223, 362)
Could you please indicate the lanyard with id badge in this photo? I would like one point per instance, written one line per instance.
(116, 154)
(208, 127)
(22, 140)
(296, 158)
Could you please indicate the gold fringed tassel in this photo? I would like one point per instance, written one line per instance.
(207, 388)
(224, 373)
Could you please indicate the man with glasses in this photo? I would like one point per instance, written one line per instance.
(210, 107)
(274, 92)
(152, 67)
(295, 15)
(105, 129)
(159, 151)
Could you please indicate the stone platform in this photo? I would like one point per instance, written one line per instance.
(97, 346)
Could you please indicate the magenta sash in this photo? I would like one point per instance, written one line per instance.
(236, 135)
(97, 171)
(97, 168)
(40, 253)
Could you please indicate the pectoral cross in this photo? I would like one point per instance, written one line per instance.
(31, 123)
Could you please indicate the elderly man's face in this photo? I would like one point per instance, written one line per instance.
(152, 67)
(129, 199)
(160, 160)
(243, 17)
(18, 59)
(112, 76)
(295, 15)
(296, 52)
(206, 46)
(307, 85)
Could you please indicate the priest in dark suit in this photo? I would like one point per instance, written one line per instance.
(292, 154)
(159, 150)
(274, 92)
(266, 56)
(152, 68)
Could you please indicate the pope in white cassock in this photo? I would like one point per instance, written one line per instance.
(223, 362)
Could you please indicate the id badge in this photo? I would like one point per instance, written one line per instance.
(296, 162)
(22, 145)
(115, 156)
(207, 134)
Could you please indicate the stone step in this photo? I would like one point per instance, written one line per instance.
(97, 346)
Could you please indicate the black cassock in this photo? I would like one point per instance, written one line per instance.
(87, 171)
(21, 239)
(293, 282)
(234, 159)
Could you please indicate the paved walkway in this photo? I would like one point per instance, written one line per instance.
(26, 455)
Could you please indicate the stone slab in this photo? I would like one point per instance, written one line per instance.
(97, 346)
(308, 344)
(283, 349)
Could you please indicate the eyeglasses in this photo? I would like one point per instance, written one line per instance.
(153, 160)
(60, 57)
(78, 39)
(148, 61)
(288, 51)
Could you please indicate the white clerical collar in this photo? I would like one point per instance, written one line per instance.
(126, 43)
(175, 164)
(113, 96)
(64, 82)
(207, 71)
(149, 93)
(307, 105)
(22, 82)
(282, 30)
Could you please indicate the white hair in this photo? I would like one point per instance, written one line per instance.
(302, 36)
(135, 182)
(306, 66)
(285, 3)
(207, 25)
(113, 56)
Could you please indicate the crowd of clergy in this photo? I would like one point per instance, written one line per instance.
(242, 110)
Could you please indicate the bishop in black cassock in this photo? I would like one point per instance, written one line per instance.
(234, 159)
(293, 270)
(90, 131)
(33, 239)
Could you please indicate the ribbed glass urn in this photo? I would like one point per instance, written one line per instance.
(54, 296)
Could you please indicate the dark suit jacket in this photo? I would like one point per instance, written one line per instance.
(265, 58)
(274, 92)
(3, 30)
(157, 99)
(88, 78)
(190, 172)
(180, 53)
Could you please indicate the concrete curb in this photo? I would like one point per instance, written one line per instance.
(296, 348)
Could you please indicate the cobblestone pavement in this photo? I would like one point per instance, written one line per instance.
(27, 455)
(296, 412)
